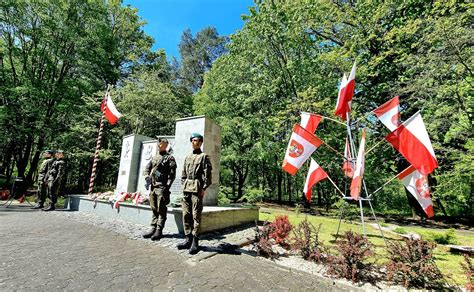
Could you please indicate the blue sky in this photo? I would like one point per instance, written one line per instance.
(167, 19)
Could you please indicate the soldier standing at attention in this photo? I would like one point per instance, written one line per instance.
(160, 173)
(55, 178)
(43, 178)
(196, 178)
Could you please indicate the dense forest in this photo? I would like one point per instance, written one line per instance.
(57, 58)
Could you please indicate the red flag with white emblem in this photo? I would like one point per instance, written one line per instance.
(413, 142)
(302, 145)
(315, 174)
(417, 184)
(310, 122)
(110, 111)
(389, 113)
(346, 92)
(356, 184)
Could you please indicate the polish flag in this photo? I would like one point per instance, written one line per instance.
(136, 198)
(417, 184)
(348, 165)
(120, 197)
(356, 184)
(310, 122)
(302, 145)
(315, 174)
(110, 111)
(413, 142)
(346, 92)
(389, 113)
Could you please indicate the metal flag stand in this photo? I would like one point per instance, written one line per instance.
(361, 199)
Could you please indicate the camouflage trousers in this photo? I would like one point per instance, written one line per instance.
(192, 210)
(42, 193)
(53, 192)
(159, 198)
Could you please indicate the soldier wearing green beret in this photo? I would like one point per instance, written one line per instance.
(195, 178)
(160, 173)
(55, 178)
(43, 178)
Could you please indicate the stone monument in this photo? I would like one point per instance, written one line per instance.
(138, 150)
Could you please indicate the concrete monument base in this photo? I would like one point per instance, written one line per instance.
(213, 217)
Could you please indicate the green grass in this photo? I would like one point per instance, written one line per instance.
(448, 263)
(400, 230)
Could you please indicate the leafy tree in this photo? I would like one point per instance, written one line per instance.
(197, 55)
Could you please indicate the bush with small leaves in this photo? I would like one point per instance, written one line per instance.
(262, 244)
(279, 230)
(306, 242)
(412, 264)
(351, 262)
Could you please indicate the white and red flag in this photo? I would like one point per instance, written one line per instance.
(315, 174)
(417, 184)
(356, 184)
(110, 111)
(310, 122)
(413, 142)
(302, 145)
(389, 113)
(348, 165)
(346, 92)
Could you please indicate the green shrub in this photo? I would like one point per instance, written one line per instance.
(383, 224)
(400, 230)
(222, 199)
(252, 196)
(447, 237)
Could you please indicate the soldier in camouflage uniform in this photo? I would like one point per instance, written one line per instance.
(196, 178)
(160, 173)
(55, 178)
(43, 178)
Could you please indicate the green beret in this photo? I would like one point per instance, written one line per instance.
(196, 135)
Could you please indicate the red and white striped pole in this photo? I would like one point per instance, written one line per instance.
(97, 147)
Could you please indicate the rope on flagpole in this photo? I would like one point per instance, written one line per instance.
(97, 147)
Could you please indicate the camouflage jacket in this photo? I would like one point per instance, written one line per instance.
(161, 169)
(197, 172)
(57, 171)
(44, 169)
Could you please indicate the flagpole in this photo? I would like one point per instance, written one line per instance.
(97, 147)
(328, 118)
(386, 183)
(376, 145)
(335, 186)
(334, 150)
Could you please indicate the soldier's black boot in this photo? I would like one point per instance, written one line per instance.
(150, 232)
(38, 206)
(186, 243)
(194, 246)
(157, 235)
(50, 208)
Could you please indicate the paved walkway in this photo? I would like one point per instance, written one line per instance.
(54, 251)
